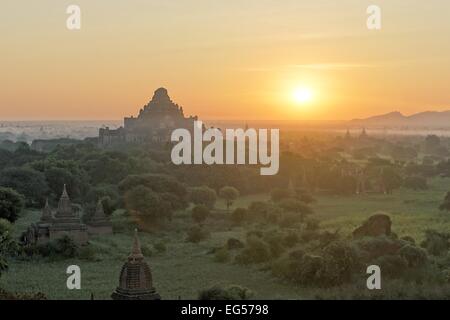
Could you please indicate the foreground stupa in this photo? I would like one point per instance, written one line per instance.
(135, 281)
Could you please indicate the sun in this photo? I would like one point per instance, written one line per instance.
(302, 95)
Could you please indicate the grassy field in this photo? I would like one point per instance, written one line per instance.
(186, 268)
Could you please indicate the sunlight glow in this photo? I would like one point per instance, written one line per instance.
(303, 95)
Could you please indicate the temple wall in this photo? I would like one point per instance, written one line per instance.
(100, 230)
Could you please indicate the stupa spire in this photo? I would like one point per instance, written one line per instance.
(64, 205)
(99, 211)
(46, 212)
(64, 193)
(136, 252)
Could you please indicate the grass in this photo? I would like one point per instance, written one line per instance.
(186, 268)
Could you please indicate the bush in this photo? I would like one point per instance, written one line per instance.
(256, 251)
(222, 255)
(279, 194)
(203, 196)
(63, 247)
(291, 239)
(259, 209)
(416, 257)
(436, 243)
(374, 247)
(234, 243)
(391, 265)
(5, 226)
(238, 215)
(312, 224)
(11, 203)
(232, 292)
(197, 234)
(200, 213)
(296, 207)
(415, 183)
(66, 247)
(335, 265)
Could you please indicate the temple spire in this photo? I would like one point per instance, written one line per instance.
(136, 252)
(99, 211)
(64, 193)
(46, 212)
(64, 205)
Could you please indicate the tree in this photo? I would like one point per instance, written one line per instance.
(203, 195)
(279, 194)
(11, 203)
(295, 206)
(200, 213)
(432, 142)
(147, 203)
(6, 244)
(28, 182)
(415, 183)
(445, 206)
(229, 194)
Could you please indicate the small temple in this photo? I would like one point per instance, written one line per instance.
(65, 222)
(136, 282)
(99, 223)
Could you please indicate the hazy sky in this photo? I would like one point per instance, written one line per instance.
(223, 59)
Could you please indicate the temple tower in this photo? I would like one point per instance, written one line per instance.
(136, 282)
(67, 222)
(99, 222)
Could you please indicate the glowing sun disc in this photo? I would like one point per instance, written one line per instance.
(302, 95)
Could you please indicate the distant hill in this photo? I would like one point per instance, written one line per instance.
(428, 119)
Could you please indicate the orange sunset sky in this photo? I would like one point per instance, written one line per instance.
(227, 59)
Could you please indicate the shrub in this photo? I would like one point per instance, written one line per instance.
(391, 265)
(275, 242)
(436, 243)
(66, 247)
(234, 243)
(63, 247)
(11, 203)
(222, 255)
(203, 196)
(312, 224)
(279, 194)
(256, 251)
(259, 209)
(415, 183)
(238, 215)
(5, 295)
(197, 234)
(5, 226)
(374, 247)
(295, 206)
(232, 292)
(416, 257)
(291, 239)
(200, 213)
